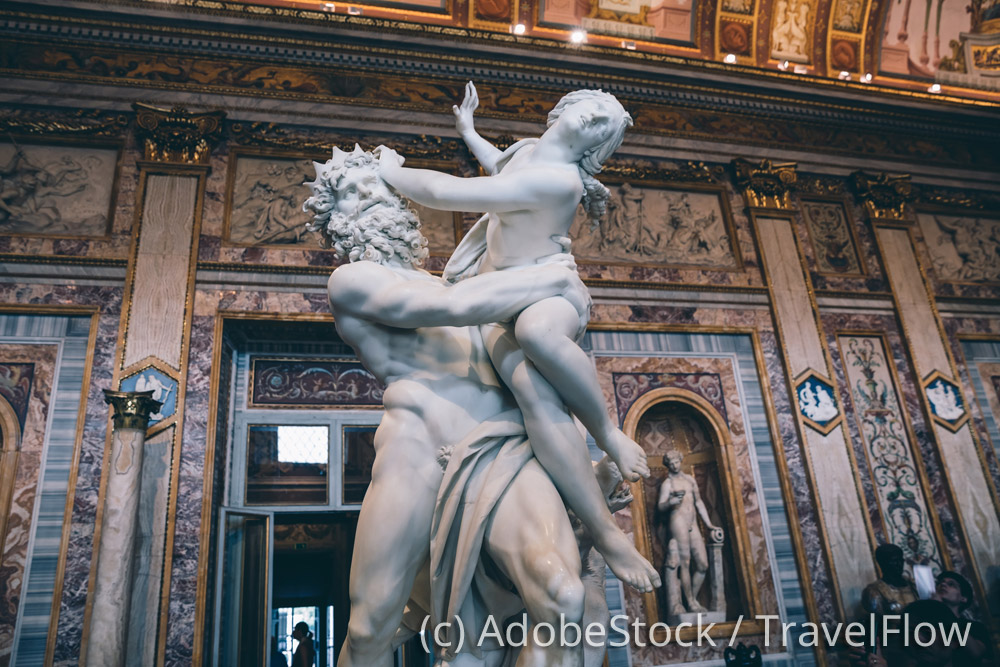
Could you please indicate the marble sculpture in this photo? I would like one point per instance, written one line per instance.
(464, 518)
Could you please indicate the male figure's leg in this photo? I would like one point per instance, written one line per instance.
(391, 544)
(560, 448)
(531, 539)
(699, 555)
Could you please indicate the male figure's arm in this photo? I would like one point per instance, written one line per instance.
(485, 152)
(666, 501)
(699, 505)
(524, 189)
(372, 292)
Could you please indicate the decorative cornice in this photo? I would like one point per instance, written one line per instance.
(272, 135)
(690, 172)
(885, 197)
(48, 124)
(970, 200)
(131, 408)
(175, 135)
(767, 185)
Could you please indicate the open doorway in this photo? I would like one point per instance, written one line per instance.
(312, 563)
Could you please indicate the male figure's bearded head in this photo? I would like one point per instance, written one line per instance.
(358, 215)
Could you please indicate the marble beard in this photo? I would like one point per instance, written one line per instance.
(488, 535)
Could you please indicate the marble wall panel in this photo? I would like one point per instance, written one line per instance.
(980, 329)
(156, 312)
(88, 474)
(887, 450)
(910, 404)
(623, 380)
(42, 359)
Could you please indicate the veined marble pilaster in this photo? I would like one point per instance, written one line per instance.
(828, 454)
(972, 491)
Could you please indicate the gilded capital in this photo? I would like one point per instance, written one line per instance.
(131, 408)
(176, 135)
(767, 184)
(885, 197)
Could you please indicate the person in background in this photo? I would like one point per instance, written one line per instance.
(955, 591)
(277, 657)
(305, 652)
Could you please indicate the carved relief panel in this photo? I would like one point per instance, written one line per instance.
(963, 249)
(649, 224)
(831, 234)
(792, 30)
(57, 190)
(264, 204)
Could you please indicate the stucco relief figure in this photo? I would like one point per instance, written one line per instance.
(687, 559)
(149, 382)
(532, 197)
(945, 400)
(788, 35)
(36, 196)
(892, 591)
(816, 403)
(454, 475)
(967, 249)
(265, 202)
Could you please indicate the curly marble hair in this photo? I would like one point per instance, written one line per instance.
(388, 231)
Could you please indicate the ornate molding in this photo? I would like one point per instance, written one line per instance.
(131, 408)
(176, 135)
(823, 186)
(957, 199)
(689, 172)
(272, 135)
(89, 123)
(767, 185)
(885, 197)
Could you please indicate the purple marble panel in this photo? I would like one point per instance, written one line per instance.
(88, 474)
(954, 328)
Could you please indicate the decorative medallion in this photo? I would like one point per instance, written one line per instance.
(885, 197)
(164, 390)
(767, 184)
(817, 402)
(945, 400)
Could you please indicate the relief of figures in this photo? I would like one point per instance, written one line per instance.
(963, 249)
(654, 226)
(847, 15)
(266, 207)
(789, 32)
(56, 190)
(832, 241)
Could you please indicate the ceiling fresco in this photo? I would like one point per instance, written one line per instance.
(948, 47)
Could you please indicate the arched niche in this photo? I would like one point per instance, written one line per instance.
(10, 445)
(668, 419)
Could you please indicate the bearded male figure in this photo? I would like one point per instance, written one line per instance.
(442, 401)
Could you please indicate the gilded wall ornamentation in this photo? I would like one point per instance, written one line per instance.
(648, 225)
(962, 248)
(56, 190)
(831, 237)
(790, 30)
(889, 451)
(283, 383)
(738, 6)
(847, 15)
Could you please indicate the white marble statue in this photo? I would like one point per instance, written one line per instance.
(531, 198)
(687, 559)
(444, 408)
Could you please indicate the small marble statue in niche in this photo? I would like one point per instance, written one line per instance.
(687, 562)
(892, 591)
